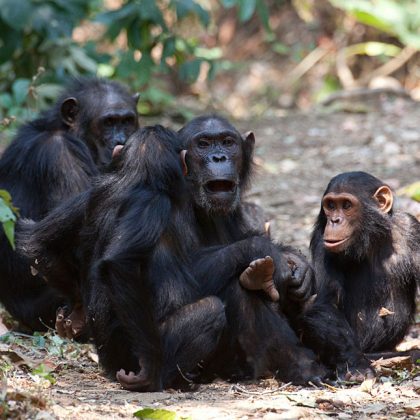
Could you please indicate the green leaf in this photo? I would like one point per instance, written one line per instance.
(246, 9)
(186, 7)
(158, 414)
(190, 70)
(16, 13)
(9, 230)
(412, 191)
(6, 213)
(20, 90)
(264, 14)
(6, 100)
(82, 59)
(146, 65)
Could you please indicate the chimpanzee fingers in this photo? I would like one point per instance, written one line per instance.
(271, 291)
(60, 322)
(359, 375)
(68, 326)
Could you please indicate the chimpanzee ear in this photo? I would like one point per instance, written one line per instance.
(385, 198)
(249, 142)
(69, 110)
(183, 161)
(249, 138)
(136, 97)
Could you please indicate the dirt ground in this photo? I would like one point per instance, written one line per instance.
(296, 156)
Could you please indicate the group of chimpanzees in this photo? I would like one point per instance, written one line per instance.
(140, 239)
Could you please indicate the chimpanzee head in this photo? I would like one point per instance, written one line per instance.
(217, 161)
(101, 113)
(355, 214)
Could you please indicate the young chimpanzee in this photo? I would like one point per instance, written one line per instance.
(228, 253)
(132, 234)
(366, 258)
(51, 159)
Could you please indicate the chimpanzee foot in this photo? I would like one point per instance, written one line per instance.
(71, 326)
(134, 381)
(259, 276)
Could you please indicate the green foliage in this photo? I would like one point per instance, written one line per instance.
(412, 191)
(400, 18)
(247, 8)
(44, 372)
(35, 34)
(158, 414)
(8, 214)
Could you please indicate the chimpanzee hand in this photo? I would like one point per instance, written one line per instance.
(71, 325)
(357, 371)
(300, 284)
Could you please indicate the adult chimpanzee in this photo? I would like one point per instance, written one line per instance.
(366, 258)
(51, 159)
(258, 340)
(133, 239)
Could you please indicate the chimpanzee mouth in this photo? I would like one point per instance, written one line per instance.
(334, 243)
(220, 186)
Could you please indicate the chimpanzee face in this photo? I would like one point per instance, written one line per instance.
(102, 121)
(214, 161)
(116, 120)
(355, 219)
(343, 215)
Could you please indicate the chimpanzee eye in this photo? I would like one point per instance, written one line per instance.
(108, 122)
(227, 142)
(347, 205)
(202, 143)
(329, 204)
(128, 121)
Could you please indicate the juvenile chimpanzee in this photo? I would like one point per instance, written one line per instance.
(366, 258)
(51, 159)
(147, 320)
(228, 253)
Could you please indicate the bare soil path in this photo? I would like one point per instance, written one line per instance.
(296, 156)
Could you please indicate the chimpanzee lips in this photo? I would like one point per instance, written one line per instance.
(332, 243)
(220, 186)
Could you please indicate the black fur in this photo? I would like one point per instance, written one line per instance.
(47, 162)
(379, 269)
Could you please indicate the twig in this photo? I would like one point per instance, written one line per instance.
(391, 66)
(238, 388)
(306, 64)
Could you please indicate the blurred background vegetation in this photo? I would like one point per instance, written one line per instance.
(246, 58)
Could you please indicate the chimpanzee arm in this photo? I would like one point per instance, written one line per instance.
(51, 242)
(325, 329)
(216, 267)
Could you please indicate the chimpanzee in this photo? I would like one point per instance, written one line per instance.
(149, 324)
(51, 159)
(366, 258)
(148, 246)
(228, 253)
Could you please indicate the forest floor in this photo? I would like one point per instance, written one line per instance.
(45, 377)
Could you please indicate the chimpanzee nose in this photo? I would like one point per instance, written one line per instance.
(219, 158)
(335, 220)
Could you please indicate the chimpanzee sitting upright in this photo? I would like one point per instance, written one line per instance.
(51, 159)
(228, 253)
(366, 259)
